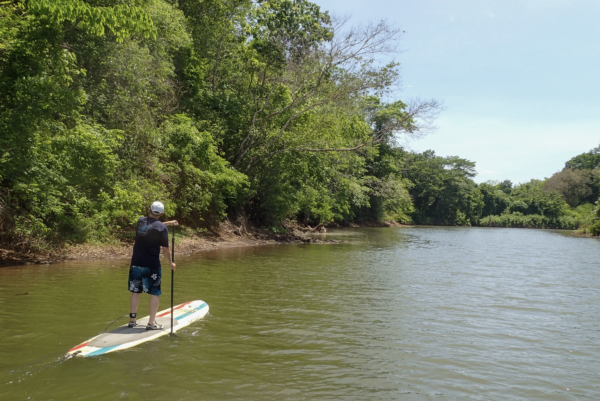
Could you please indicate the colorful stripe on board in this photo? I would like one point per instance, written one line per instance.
(192, 312)
(103, 350)
(175, 308)
(79, 346)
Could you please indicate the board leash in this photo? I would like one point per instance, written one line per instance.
(63, 359)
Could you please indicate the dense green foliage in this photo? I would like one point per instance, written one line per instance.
(443, 190)
(88, 125)
(568, 199)
(270, 109)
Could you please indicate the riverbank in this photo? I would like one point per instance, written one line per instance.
(228, 235)
(9, 257)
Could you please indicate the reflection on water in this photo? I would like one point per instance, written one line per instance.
(392, 313)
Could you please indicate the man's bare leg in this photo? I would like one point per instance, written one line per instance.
(133, 304)
(154, 299)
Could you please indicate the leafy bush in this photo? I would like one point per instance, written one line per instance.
(201, 182)
(518, 219)
(574, 185)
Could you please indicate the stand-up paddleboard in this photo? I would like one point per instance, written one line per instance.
(124, 337)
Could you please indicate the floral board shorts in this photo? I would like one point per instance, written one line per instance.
(145, 279)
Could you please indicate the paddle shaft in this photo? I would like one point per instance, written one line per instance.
(172, 275)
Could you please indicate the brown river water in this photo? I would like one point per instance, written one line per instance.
(418, 313)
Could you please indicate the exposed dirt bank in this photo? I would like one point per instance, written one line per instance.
(228, 235)
(583, 234)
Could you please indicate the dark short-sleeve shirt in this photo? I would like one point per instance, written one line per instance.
(150, 235)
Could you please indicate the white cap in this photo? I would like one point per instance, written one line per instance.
(157, 208)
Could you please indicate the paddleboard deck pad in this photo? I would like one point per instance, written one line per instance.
(124, 337)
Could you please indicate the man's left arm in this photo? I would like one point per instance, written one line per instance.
(171, 223)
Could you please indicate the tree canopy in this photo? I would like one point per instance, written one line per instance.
(273, 110)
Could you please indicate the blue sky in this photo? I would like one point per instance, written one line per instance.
(519, 80)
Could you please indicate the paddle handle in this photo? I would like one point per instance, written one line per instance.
(172, 275)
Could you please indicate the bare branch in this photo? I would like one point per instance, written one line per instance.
(322, 78)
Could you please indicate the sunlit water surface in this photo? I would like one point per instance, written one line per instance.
(390, 314)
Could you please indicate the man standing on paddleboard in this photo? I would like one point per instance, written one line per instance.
(145, 271)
